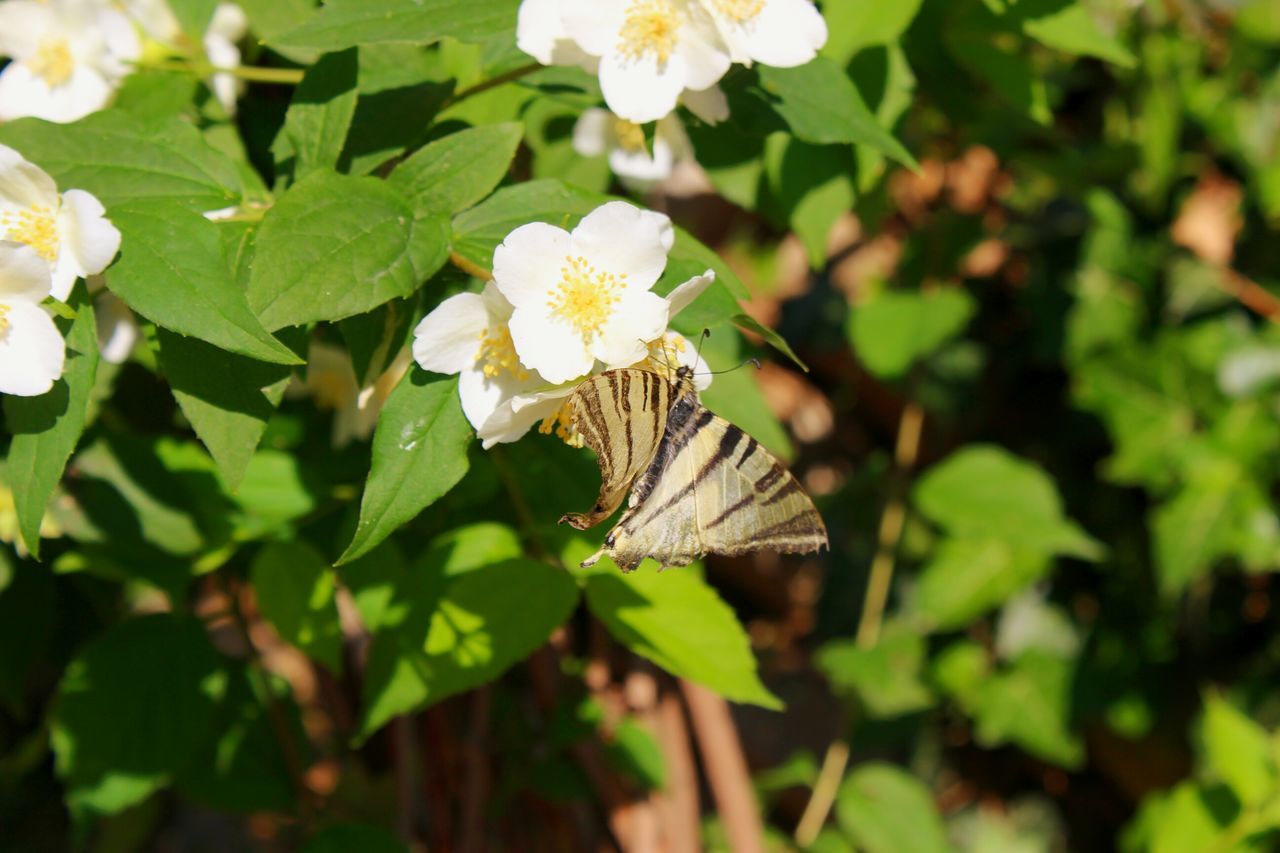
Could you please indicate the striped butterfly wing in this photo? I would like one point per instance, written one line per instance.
(715, 490)
(621, 415)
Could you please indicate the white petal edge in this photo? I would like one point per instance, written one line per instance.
(24, 275)
(527, 264)
(117, 328)
(591, 132)
(448, 339)
(23, 94)
(641, 90)
(711, 105)
(32, 352)
(551, 348)
(87, 240)
(682, 295)
(639, 319)
(785, 34)
(625, 240)
(23, 184)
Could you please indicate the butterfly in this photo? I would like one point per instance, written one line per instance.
(698, 483)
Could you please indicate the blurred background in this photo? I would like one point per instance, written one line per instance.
(1041, 419)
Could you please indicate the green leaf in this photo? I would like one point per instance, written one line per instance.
(885, 809)
(1192, 529)
(28, 614)
(119, 157)
(132, 708)
(855, 24)
(295, 591)
(334, 246)
(453, 173)
(1030, 705)
(400, 94)
(274, 491)
(885, 678)
(419, 454)
(346, 23)
(634, 752)
(45, 429)
(984, 492)
(711, 646)
(1191, 818)
(173, 270)
(821, 105)
(345, 837)
(772, 338)
(896, 329)
(193, 16)
(1069, 27)
(1238, 751)
(981, 49)
(967, 577)
(316, 124)
(484, 621)
(811, 186)
(227, 398)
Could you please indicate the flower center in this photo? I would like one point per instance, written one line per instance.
(664, 356)
(650, 27)
(497, 353)
(630, 135)
(561, 421)
(52, 61)
(585, 297)
(739, 11)
(34, 226)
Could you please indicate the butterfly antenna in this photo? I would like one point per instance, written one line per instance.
(752, 360)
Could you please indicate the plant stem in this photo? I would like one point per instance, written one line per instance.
(726, 767)
(906, 452)
(491, 83)
(471, 269)
(200, 68)
(1251, 294)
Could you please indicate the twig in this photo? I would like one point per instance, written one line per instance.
(679, 803)
(726, 767)
(470, 268)
(1251, 294)
(251, 73)
(275, 714)
(906, 452)
(475, 780)
(491, 83)
(404, 746)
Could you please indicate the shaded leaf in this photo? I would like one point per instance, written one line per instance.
(295, 592)
(455, 172)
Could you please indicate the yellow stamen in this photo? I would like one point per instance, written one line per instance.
(4, 320)
(52, 61)
(739, 11)
(497, 353)
(664, 356)
(36, 227)
(585, 297)
(650, 27)
(630, 135)
(561, 420)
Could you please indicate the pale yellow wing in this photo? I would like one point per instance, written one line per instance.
(715, 490)
(621, 415)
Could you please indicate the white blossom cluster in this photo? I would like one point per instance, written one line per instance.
(651, 55)
(47, 240)
(68, 57)
(562, 305)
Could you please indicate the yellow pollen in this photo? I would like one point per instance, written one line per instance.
(35, 227)
(4, 320)
(650, 27)
(630, 135)
(52, 61)
(664, 356)
(585, 297)
(497, 353)
(740, 11)
(561, 421)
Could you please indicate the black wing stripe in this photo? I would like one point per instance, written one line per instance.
(728, 444)
(790, 487)
(772, 476)
(752, 444)
(724, 516)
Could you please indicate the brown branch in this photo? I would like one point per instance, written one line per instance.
(906, 453)
(470, 268)
(678, 804)
(491, 83)
(726, 767)
(475, 782)
(1252, 295)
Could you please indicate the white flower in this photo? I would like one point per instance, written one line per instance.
(599, 131)
(116, 325)
(468, 334)
(782, 33)
(710, 104)
(650, 51)
(68, 57)
(331, 381)
(585, 297)
(228, 26)
(32, 351)
(155, 18)
(540, 33)
(68, 231)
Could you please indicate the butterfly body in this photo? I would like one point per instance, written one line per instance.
(698, 484)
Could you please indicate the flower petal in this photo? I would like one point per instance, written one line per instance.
(642, 90)
(591, 132)
(623, 239)
(710, 104)
(527, 265)
(24, 276)
(551, 348)
(32, 351)
(23, 184)
(88, 241)
(786, 33)
(593, 24)
(516, 416)
(448, 339)
(481, 395)
(117, 328)
(23, 94)
(706, 57)
(22, 25)
(683, 294)
(639, 318)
